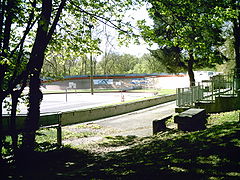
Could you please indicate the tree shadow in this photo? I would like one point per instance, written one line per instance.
(209, 154)
(115, 141)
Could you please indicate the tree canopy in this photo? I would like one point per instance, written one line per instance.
(30, 29)
(193, 27)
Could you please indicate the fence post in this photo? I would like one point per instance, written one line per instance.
(219, 90)
(233, 87)
(192, 95)
(178, 96)
(59, 131)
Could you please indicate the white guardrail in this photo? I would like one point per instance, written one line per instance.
(189, 96)
(206, 91)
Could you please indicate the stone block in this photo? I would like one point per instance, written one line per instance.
(191, 120)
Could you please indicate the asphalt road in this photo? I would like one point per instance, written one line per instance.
(138, 123)
(74, 101)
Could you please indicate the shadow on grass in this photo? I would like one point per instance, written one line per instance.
(210, 154)
(115, 141)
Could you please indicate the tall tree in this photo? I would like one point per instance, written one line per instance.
(13, 55)
(235, 6)
(44, 34)
(190, 26)
(21, 62)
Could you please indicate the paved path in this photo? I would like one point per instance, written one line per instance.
(138, 123)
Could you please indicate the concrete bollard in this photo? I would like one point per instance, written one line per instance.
(160, 124)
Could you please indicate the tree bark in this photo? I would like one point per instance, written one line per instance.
(1, 129)
(43, 38)
(190, 70)
(236, 33)
(8, 23)
(35, 65)
(14, 135)
(2, 7)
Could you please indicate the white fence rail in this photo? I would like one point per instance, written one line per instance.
(207, 91)
(188, 96)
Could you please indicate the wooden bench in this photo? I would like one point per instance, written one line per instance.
(191, 120)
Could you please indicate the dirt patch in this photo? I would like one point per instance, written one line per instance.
(96, 140)
(101, 139)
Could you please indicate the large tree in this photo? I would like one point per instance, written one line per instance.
(21, 62)
(46, 27)
(193, 28)
(27, 28)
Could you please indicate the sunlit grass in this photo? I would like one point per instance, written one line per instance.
(219, 118)
(50, 135)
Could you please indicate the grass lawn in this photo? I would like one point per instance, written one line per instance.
(213, 153)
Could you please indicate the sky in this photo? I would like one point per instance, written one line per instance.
(133, 49)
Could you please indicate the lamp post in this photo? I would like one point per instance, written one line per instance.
(91, 62)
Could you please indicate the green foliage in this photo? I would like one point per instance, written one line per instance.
(171, 58)
(124, 64)
(190, 26)
(117, 64)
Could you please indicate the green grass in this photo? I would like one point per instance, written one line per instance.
(208, 154)
(50, 134)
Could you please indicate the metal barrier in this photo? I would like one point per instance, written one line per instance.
(188, 96)
(59, 119)
(220, 85)
(46, 120)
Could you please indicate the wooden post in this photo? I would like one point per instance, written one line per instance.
(59, 131)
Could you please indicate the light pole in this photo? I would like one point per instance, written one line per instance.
(91, 62)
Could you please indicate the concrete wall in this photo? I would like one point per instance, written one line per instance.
(162, 82)
(79, 116)
(171, 82)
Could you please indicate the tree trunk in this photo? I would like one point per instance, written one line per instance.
(32, 120)
(43, 38)
(14, 135)
(1, 135)
(190, 70)
(236, 32)
(2, 97)
(35, 65)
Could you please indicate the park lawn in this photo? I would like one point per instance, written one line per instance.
(208, 154)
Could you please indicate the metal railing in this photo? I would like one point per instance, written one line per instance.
(207, 91)
(189, 96)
